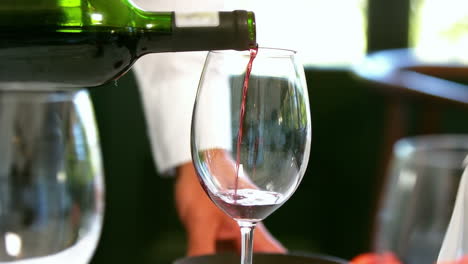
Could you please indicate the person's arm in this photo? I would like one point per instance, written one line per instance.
(168, 90)
(168, 84)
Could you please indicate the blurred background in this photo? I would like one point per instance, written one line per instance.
(354, 126)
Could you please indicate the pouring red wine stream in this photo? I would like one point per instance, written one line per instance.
(245, 88)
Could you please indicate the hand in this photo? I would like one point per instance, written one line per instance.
(209, 230)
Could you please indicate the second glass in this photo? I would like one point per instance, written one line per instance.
(51, 179)
(420, 195)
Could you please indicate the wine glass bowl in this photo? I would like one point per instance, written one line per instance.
(51, 181)
(251, 134)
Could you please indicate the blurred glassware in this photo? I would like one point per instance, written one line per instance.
(419, 197)
(51, 180)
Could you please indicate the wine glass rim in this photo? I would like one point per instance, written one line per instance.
(446, 151)
(409, 145)
(264, 52)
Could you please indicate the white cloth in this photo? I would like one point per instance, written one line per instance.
(455, 245)
(168, 83)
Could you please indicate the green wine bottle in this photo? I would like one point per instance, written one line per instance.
(86, 43)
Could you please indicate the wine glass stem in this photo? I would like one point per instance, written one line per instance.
(247, 232)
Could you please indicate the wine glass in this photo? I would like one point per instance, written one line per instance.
(51, 180)
(420, 194)
(251, 133)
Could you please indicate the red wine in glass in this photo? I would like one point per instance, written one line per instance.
(248, 204)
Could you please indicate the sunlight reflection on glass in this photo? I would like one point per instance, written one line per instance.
(96, 18)
(13, 244)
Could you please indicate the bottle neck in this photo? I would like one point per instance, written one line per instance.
(170, 32)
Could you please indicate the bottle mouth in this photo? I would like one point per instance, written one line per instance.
(251, 24)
